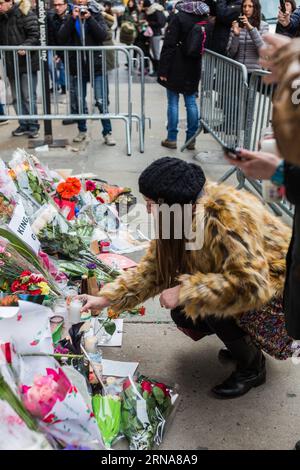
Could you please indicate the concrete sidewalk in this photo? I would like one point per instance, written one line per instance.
(267, 417)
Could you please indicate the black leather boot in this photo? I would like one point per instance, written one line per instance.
(250, 371)
(225, 355)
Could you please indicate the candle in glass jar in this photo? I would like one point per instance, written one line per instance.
(75, 311)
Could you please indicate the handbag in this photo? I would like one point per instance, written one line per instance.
(148, 33)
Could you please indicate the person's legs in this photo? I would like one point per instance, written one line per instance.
(75, 108)
(23, 128)
(196, 330)
(101, 97)
(192, 112)
(29, 102)
(250, 371)
(2, 114)
(155, 50)
(173, 116)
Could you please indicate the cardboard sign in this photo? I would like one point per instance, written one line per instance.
(20, 225)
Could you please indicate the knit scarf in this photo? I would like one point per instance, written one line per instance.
(196, 8)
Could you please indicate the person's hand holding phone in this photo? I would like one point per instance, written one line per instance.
(256, 165)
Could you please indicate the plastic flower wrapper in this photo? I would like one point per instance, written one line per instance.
(56, 234)
(17, 435)
(16, 256)
(8, 194)
(60, 409)
(146, 405)
(107, 411)
(26, 177)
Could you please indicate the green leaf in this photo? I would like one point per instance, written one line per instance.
(110, 327)
(159, 395)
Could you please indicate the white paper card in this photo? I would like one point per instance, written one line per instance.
(20, 225)
(118, 369)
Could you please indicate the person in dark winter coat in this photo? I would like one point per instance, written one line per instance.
(156, 20)
(225, 12)
(179, 73)
(55, 19)
(86, 28)
(19, 26)
(290, 7)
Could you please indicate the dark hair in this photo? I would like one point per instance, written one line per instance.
(293, 3)
(256, 17)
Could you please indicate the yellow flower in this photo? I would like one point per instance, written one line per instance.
(44, 288)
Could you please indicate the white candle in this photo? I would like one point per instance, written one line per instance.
(74, 311)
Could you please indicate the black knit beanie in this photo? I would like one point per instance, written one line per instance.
(171, 180)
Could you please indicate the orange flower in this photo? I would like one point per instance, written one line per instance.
(112, 314)
(70, 188)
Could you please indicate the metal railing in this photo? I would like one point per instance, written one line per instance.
(88, 97)
(235, 106)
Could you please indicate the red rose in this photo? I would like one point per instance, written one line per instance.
(15, 286)
(25, 273)
(142, 311)
(163, 388)
(146, 386)
(35, 292)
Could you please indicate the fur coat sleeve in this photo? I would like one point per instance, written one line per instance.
(135, 285)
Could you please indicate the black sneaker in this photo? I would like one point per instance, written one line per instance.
(67, 122)
(19, 131)
(33, 134)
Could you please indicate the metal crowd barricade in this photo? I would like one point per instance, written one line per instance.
(88, 97)
(258, 117)
(222, 98)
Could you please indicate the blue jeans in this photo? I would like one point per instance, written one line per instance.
(1, 110)
(101, 98)
(192, 113)
(28, 103)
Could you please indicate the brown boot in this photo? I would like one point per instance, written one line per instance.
(169, 144)
(192, 145)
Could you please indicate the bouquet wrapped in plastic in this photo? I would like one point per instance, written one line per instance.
(26, 177)
(8, 194)
(146, 406)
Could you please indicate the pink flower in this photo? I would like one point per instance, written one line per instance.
(46, 390)
(90, 186)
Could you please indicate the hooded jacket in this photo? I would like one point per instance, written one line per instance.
(96, 32)
(225, 12)
(19, 27)
(240, 267)
(182, 72)
(156, 18)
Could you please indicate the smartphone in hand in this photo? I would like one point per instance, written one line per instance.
(282, 6)
(232, 153)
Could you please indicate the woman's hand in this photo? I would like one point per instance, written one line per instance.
(246, 23)
(235, 28)
(284, 18)
(170, 298)
(163, 79)
(257, 165)
(268, 54)
(96, 304)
